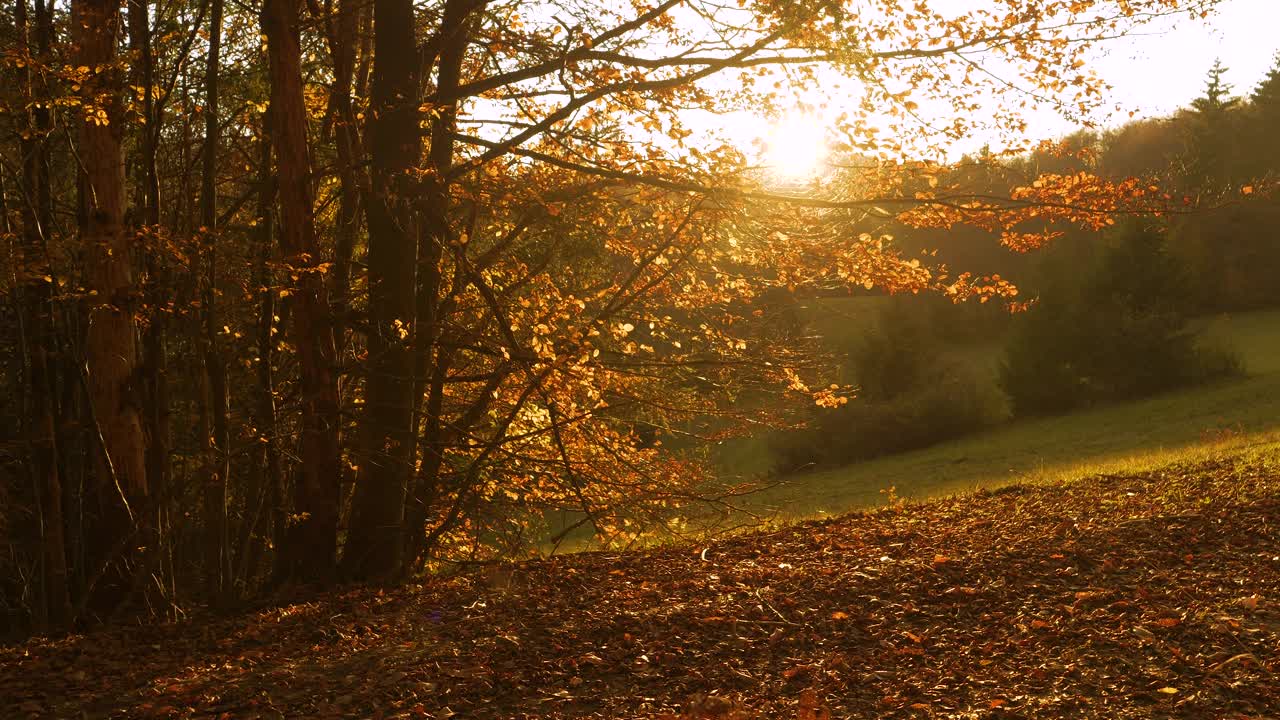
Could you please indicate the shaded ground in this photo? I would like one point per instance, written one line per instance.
(1150, 596)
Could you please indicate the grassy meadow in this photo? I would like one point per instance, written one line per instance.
(1123, 437)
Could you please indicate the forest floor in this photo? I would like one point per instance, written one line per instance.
(1150, 595)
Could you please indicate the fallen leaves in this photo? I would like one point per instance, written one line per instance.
(998, 616)
(1249, 603)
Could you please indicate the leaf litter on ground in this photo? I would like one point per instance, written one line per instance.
(1153, 595)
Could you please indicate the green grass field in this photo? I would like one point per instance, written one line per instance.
(1148, 433)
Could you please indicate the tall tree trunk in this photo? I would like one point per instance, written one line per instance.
(39, 341)
(147, 192)
(311, 538)
(142, 75)
(265, 415)
(342, 42)
(375, 541)
(111, 356)
(433, 204)
(218, 458)
(265, 485)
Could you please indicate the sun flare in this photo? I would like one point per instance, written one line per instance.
(795, 148)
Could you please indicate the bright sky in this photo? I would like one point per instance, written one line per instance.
(1152, 74)
(1157, 74)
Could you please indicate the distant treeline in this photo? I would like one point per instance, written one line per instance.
(1111, 311)
(1217, 160)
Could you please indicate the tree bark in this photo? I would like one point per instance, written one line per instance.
(342, 43)
(265, 485)
(433, 208)
(311, 536)
(38, 329)
(111, 355)
(146, 174)
(217, 443)
(146, 201)
(374, 544)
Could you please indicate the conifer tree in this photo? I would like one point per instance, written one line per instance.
(1267, 93)
(1265, 117)
(1217, 96)
(1210, 142)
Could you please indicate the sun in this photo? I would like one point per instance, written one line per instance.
(795, 148)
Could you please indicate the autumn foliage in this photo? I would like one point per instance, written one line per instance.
(344, 290)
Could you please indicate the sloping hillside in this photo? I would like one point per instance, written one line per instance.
(1148, 596)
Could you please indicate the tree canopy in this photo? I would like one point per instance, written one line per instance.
(341, 289)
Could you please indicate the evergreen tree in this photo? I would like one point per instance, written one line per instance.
(1208, 161)
(1267, 94)
(1217, 97)
(1119, 332)
(1265, 104)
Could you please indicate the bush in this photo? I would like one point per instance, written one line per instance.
(896, 355)
(909, 398)
(954, 404)
(1235, 251)
(1120, 334)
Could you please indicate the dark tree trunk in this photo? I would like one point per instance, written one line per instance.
(311, 536)
(146, 174)
(39, 341)
(111, 355)
(375, 541)
(155, 395)
(217, 443)
(347, 138)
(433, 205)
(265, 485)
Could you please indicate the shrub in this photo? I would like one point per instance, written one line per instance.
(1119, 334)
(896, 354)
(910, 397)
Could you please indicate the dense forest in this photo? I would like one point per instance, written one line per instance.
(343, 290)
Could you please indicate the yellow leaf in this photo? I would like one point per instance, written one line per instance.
(1168, 690)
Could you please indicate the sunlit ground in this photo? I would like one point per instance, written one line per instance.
(1188, 425)
(1181, 425)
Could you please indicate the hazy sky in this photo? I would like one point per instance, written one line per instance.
(1153, 74)
(1158, 73)
(1163, 68)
